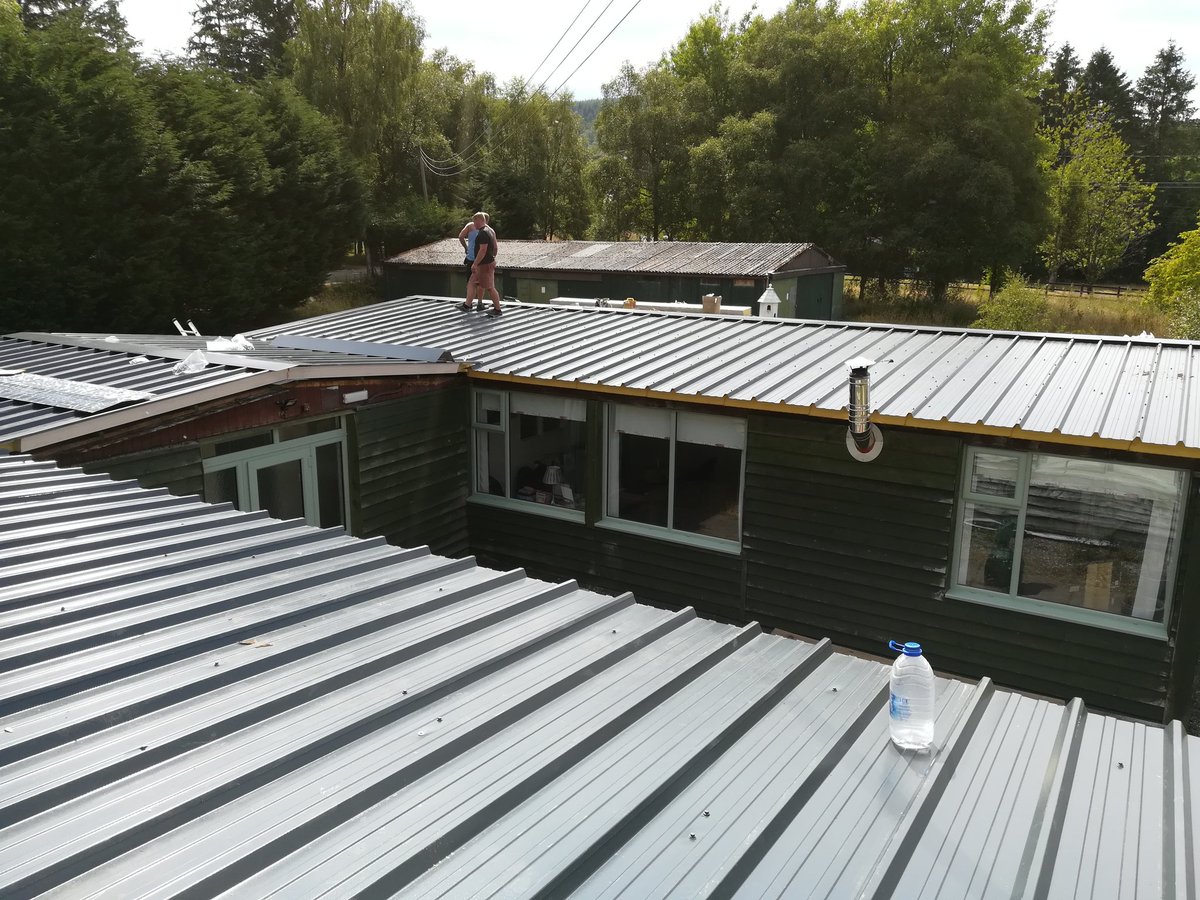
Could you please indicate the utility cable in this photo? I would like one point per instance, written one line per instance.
(462, 154)
(501, 138)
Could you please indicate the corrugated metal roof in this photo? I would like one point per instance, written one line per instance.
(141, 370)
(1125, 392)
(648, 257)
(198, 701)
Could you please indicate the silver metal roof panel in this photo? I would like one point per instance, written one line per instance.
(735, 260)
(200, 701)
(1134, 393)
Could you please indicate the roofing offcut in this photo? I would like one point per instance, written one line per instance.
(65, 386)
(1128, 393)
(197, 700)
(644, 257)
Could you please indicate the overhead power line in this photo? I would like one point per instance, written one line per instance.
(501, 137)
(462, 155)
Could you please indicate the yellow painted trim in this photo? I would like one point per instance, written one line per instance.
(1015, 432)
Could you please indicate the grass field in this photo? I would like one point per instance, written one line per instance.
(1070, 313)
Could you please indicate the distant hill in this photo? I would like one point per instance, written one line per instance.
(587, 110)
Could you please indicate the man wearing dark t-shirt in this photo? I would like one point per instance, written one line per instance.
(483, 269)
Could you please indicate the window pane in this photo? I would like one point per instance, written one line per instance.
(1099, 535)
(547, 406)
(221, 487)
(643, 470)
(718, 431)
(487, 408)
(281, 490)
(547, 458)
(640, 420)
(489, 463)
(995, 474)
(985, 555)
(294, 430)
(707, 488)
(236, 445)
(329, 486)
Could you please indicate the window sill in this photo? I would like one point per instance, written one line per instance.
(1075, 615)
(527, 506)
(721, 545)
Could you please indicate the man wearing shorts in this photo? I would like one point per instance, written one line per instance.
(466, 237)
(483, 270)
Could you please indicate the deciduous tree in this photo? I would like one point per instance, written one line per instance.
(1098, 204)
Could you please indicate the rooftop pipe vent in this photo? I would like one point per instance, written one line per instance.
(864, 441)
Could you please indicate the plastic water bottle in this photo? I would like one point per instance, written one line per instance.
(911, 699)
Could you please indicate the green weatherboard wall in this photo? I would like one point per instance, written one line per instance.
(857, 552)
(411, 478)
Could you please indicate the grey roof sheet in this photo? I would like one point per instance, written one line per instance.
(1122, 391)
(139, 369)
(107, 368)
(647, 257)
(200, 701)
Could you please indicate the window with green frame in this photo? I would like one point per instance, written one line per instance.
(679, 472)
(1080, 539)
(531, 448)
(294, 471)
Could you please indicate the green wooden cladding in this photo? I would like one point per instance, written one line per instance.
(178, 469)
(410, 481)
(857, 552)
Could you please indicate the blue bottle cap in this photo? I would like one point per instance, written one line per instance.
(910, 648)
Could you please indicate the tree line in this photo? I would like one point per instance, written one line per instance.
(935, 140)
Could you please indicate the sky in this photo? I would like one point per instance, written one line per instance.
(516, 34)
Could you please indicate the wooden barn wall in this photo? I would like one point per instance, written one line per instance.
(859, 552)
(178, 468)
(410, 479)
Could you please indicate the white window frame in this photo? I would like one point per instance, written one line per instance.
(247, 463)
(661, 532)
(1019, 502)
(479, 432)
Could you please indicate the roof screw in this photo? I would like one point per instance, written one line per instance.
(692, 836)
(834, 689)
(1120, 765)
(216, 665)
(420, 734)
(405, 693)
(707, 814)
(439, 718)
(614, 631)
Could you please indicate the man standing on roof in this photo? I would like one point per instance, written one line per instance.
(484, 268)
(466, 237)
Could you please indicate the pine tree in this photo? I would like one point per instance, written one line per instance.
(1170, 145)
(243, 38)
(1108, 90)
(1063, 79)
(101, 17)
(1163, 99)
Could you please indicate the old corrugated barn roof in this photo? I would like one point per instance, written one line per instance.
(58, 386)
(198, 701)
(651, 258)
(1125, 393)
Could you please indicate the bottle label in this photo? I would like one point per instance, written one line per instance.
(898, 707)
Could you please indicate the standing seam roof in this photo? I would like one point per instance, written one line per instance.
(199, 701)
(734, 260)
(1122, 392)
